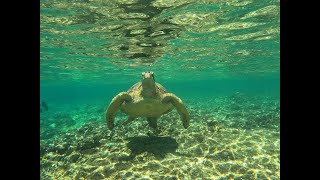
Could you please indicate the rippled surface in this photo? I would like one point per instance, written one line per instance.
(100, 40)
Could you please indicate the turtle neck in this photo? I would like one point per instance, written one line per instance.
(148, 88)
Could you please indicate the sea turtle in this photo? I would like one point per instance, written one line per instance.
(146, 99)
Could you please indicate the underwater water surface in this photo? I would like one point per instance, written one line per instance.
(222, 58)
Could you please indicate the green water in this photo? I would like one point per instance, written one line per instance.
(222, 58)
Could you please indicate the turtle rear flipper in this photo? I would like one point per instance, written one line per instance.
(152, 122)
(129, 120)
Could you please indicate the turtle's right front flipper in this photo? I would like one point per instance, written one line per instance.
(114, 107)
(181, 108)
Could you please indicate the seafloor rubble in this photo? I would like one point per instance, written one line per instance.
(225, 141)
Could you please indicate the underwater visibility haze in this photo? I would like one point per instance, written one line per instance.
(220, 57)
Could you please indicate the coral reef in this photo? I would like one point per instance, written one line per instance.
(71, 117)
(213, 147)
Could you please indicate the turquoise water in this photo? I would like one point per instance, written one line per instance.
(222, 58)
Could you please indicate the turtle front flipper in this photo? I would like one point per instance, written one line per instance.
(182, 110)
(114, 107)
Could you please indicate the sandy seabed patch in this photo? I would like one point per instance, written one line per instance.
(206, 150)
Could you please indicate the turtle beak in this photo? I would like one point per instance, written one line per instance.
(146, 75)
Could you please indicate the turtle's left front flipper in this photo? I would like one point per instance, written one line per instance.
(182, 110)
(114, 107)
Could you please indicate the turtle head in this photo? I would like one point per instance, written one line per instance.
(147, 78)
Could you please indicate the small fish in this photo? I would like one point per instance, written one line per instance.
(43, 106)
